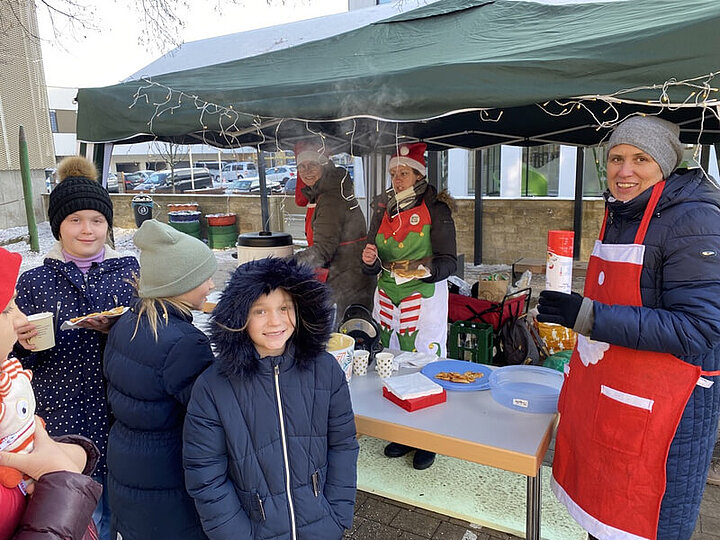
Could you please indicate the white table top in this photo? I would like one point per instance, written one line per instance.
(469, 425)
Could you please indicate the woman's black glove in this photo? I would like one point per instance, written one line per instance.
(559, 308)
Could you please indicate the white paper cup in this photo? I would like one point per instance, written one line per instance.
(360, 362)
(384, 364)
(45, 338)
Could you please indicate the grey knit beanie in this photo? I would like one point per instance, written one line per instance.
(656, 137)
(171, 262)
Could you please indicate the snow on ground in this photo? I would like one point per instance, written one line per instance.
(123, 244)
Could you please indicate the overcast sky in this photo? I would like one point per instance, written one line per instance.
(108, 56)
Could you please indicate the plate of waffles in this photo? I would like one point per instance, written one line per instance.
(458, 375)
(109, 313)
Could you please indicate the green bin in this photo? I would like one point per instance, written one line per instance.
(188, 227)
(222, 236)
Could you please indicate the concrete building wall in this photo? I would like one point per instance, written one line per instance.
(517, 228)
(23, 102)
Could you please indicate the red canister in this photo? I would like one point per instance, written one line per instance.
(558, 269)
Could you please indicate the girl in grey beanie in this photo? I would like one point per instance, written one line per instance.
(152, 358)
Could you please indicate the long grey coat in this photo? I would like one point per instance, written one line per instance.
(339, 237)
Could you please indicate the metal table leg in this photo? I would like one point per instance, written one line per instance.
(532, 521)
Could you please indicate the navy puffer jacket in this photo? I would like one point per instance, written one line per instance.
(149, 385)
(680, 315)
(68, 379)
(270, 442)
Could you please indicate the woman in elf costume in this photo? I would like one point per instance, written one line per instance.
(414, 252)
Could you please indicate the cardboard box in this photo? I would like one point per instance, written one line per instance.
(416, 403)
(494, 291)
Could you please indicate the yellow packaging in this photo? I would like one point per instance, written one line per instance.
(556, 338)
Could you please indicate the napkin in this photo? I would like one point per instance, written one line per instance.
(413, 385)
(413, 359)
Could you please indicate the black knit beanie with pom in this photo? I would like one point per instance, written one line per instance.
(77, 193)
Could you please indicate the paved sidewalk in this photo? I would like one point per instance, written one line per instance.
(377, 518)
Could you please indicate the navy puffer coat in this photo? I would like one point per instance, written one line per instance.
(68, 379)
(270, 442)
(680, 315)
(149, 385)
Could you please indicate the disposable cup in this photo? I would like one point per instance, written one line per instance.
(45, 338)
(360, 362)
(384, 364)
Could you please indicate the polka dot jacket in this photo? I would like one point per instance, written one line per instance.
(68, 379)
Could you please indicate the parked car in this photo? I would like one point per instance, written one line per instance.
(113, 185)
(132, 179)
(214, 167)
(281, 174)
(289, 187)
(251, 185)
(239, 169)
(162, 181)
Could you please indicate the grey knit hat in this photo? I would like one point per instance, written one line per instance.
(171, 262)
(656, 137)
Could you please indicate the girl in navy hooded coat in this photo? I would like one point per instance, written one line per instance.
(269, 442)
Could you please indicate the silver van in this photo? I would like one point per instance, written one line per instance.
(239, 169)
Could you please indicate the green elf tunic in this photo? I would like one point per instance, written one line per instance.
(412, 312)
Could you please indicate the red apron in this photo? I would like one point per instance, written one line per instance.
(619, 414)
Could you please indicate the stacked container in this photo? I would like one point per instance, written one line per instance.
(222, 230)
(187, 221)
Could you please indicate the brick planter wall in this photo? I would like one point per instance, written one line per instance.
(512, 228)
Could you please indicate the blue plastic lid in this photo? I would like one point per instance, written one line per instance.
(527, 388)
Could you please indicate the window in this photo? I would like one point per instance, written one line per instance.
(53, 122)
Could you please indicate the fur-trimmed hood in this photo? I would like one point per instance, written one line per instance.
(235, 350)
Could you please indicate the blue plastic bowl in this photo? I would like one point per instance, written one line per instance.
(532, 389)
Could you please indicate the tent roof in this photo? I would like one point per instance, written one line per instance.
(216, 50)
(466, 73)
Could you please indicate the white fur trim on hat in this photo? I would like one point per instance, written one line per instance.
(410, 162)
(311, 155)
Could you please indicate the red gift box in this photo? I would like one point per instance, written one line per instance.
(416, 403)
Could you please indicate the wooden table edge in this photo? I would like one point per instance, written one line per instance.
(507, 460)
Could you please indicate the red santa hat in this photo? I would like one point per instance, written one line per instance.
(9, 270)
(412, 155)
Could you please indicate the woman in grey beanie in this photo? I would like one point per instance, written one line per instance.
(639, 410)
(152, 358)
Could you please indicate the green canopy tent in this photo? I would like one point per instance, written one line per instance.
(455, 73)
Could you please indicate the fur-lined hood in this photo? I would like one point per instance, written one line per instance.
(235, 350)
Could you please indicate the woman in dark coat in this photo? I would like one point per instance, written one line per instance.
(639, 410)
(335, 228)
(413, 249)
(152, 358)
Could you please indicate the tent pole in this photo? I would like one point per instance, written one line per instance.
(578, 205)
(478, 241)
(433, 169)
(263, 192)
(704, 156)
